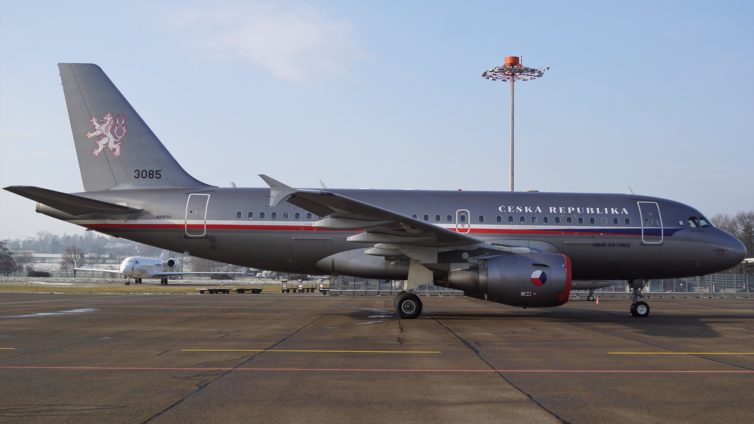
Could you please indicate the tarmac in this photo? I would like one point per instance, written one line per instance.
(310, 358)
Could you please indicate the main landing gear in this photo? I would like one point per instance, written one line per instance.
(408, 305)
(639, 308)
(164, 281)
(590, 296)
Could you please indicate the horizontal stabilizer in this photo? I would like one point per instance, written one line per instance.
(70, 203)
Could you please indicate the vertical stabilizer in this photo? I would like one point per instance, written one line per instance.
(115, 148)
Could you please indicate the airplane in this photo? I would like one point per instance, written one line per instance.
(525, 249)
(140, 267)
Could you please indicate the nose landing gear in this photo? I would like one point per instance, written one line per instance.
(590, 296)
(639, 308)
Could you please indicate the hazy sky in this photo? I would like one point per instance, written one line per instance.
(655, 95)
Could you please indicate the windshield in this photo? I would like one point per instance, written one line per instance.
(698, 222)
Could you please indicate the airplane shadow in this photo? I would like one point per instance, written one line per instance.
(659, 324)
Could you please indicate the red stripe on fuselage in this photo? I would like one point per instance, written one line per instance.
(144, 226)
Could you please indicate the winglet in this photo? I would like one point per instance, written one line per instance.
(278, 190)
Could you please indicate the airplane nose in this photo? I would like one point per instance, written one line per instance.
(736, 248)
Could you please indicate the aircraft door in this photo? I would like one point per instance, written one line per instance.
(196, 214)
(651, 222)
(463, 221)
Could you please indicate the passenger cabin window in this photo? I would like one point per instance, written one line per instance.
(426, 217)
(533, 219)
(591, 220)
(481, 218)
(297, 215)
(615, 221)
(261, 215)
(274, 215)
(238, 215)
(510, 219)
(463, 218)
(581, 220)
(309, 215)
(628, 221)
(251, 215)
(569, 220)
(437, 218)
(545, 220)
(413, 216)
(499, 219)
(522, 219)
(450, 218)
(557, 220)
(285, 215)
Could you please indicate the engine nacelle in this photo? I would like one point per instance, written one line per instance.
(535, 279)
(170, 262)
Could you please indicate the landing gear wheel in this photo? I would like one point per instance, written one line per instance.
(590, 298)
(408, 306)
(640, 309)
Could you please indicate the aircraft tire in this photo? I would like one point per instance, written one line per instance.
(640, 309)
(590, 298)
(408, 306)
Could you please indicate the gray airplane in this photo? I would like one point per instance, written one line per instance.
(522, 249)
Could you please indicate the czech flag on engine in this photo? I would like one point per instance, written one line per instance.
(538, 278)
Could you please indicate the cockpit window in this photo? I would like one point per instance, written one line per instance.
(698, 222)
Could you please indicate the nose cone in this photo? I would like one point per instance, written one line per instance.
(735, 251)
(738, 249)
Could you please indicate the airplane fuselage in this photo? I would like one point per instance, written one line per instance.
(606, 236)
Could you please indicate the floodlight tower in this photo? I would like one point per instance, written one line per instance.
(511, 71)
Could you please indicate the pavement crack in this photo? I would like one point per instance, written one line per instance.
(479, 355)
(204, 384)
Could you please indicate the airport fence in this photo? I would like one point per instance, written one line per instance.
(721, 283)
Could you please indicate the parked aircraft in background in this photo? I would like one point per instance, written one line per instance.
(522, 249)
(140, 267)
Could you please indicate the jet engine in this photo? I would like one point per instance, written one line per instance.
(534, 279)
(170, 263)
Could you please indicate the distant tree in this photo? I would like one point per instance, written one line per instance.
(22, 259)
(7, 263)
(72, 257)
(741, 226)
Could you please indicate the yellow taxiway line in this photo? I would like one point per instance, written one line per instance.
(7, 348)
(386, 352)
(680, 353)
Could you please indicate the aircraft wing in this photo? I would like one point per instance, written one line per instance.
(172, 273)
(110, 271)
(390, 233)
(70, 203)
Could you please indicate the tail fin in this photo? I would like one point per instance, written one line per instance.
(115, 147)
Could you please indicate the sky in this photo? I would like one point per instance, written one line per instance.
(651, 96)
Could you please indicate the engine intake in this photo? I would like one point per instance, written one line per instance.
(535, 279)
